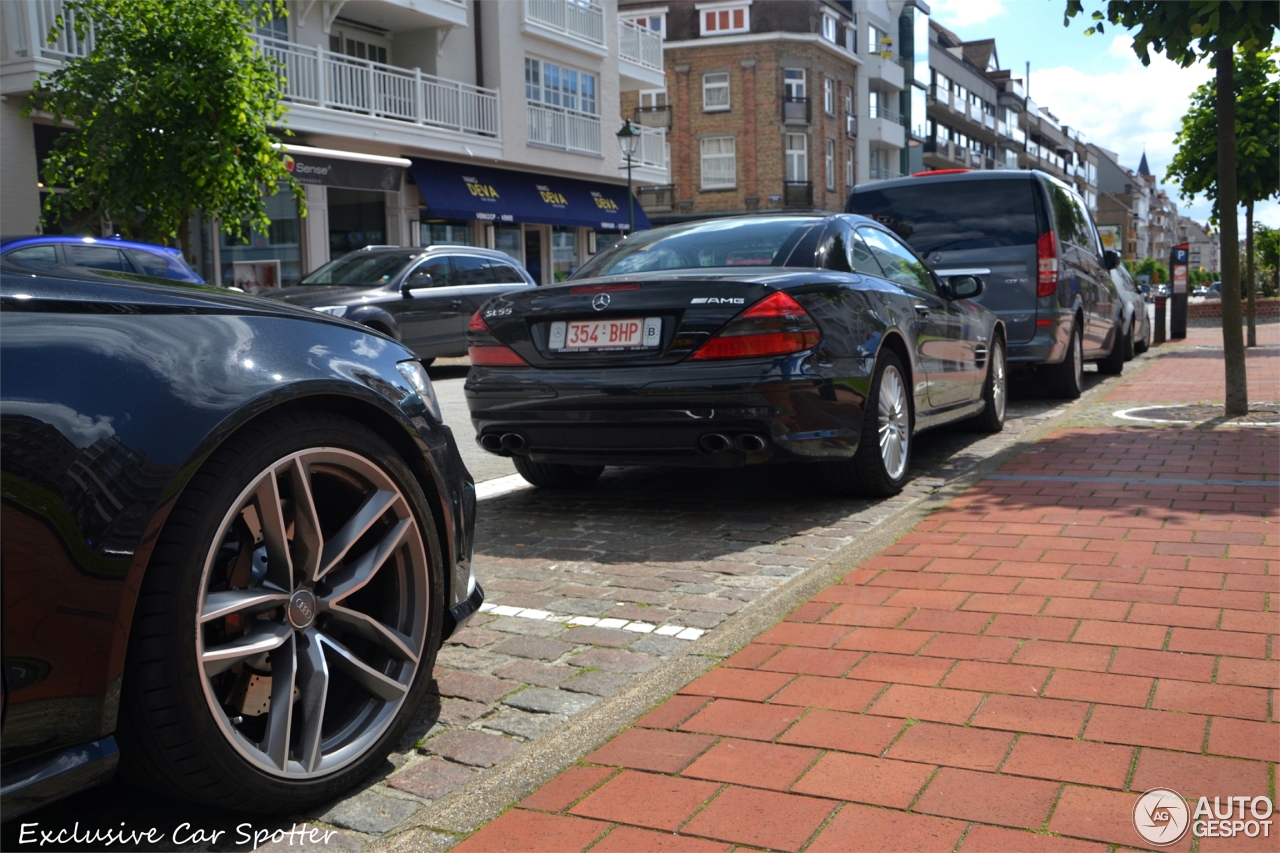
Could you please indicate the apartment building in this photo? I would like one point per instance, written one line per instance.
(1202, 244)
(480, 122)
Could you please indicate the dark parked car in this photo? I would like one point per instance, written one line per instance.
(1137, 337)
(736, 342)
(1048, 274)
(234, 536)
(98, 253)
(423, 298)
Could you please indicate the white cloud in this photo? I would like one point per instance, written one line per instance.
(964, 13)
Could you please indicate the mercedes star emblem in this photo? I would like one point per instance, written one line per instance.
(600, 302)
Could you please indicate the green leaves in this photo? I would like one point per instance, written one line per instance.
(1188, 30)
(168, 92)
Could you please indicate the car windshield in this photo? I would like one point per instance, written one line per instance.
(948, 217)
(720, 243)
(361, 270)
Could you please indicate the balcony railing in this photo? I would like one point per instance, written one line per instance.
(654, 116)
(795, 109)
(26, 32)
(567, 130)
(878, 111)
(584, 20)
(640, 45)
(321, 78)
(989, 121)
(653, 149)
(883, 173)
(797, 194)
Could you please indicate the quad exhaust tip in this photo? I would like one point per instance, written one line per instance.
(750, 443)
(513, 442)
(491, 442)
(714, 442)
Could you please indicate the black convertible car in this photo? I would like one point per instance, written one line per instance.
(234, 535)
(736, 342)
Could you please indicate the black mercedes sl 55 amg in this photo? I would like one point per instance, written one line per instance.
(234, 535)
(735, 342)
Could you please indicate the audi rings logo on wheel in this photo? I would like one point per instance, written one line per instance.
(600, 301)
(1160, 816)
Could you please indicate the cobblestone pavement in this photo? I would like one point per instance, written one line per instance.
(1094, 620)
(586, 591)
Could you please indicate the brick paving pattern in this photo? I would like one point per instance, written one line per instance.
(1010, 675)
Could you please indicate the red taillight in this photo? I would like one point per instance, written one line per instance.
(496, 354)
(938, 172)
(776, 325)
(604, 288)
(1047, 264)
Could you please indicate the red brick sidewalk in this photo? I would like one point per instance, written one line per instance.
(1009, 676)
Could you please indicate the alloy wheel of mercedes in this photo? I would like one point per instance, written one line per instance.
(310, 628)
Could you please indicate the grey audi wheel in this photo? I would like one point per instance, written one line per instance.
(293, 640)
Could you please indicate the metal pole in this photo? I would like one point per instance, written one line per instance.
(631, 201)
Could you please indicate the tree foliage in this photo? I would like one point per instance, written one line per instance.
(1186, 31)
(1150, 266)
(171, 113)
(1257, 133)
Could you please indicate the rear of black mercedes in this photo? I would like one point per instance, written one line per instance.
(717, 367)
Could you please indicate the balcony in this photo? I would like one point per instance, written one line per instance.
(653, 116)
(344, 85)
(797, 194)
(639, 57)
(657, 199)
(578, 20)
(884, 125)
(795, 109)
(988, 121)
(942, 97)
(25, 51)
(878, 111)
(651, 163)
(887, 72)
(565, 130)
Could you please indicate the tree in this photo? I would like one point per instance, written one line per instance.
(1257, 135)
(1184, 33)
(170, 110)
(1268, 242)
(1150, 266)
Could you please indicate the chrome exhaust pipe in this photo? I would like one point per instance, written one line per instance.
(491, 442)
(714, 442)
(750, 443)
(513, 441)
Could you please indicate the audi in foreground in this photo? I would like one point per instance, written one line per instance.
(737, 342)
(234, 535)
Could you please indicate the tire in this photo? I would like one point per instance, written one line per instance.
(1139, 347)
(876, 470)
(1113, 364)
(552, 475)
(359, 644)
(995, 391)
(1130, 346)
(1066, 380)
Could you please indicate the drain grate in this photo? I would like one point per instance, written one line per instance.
(1260, 414)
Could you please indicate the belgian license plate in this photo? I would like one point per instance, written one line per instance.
(626, 334)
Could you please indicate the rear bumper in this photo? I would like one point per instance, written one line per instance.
(663, 416)
(1049, 346)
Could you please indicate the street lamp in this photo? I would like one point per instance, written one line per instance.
(629, 140)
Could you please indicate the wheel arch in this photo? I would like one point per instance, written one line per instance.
(897, 344)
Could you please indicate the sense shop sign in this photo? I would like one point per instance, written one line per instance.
(347, 174)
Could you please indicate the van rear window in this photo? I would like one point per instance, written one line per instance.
(950, 217)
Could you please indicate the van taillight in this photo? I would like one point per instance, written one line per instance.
(776, 325)
(491, 352)
(1047, 264)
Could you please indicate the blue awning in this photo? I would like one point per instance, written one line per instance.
(464, 191)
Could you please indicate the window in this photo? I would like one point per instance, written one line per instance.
(149, 263)
(719, 163)
(829, 28)
(715, 91)
(722, 21)
(851, 37)
(878, 41)
(551, 84)
(504, 273)
(437, 268)
(97, 257)
(653, 99)
(899, 265)
(34, 254)
(831, 164)
(797, 158)
(848, 101)
(445, 233)
(829, 96)
(793, 83)
(848, 168)
(471, 270)
(340, 42)
(656, 22)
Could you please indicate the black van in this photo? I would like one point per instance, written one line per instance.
(1032, 238)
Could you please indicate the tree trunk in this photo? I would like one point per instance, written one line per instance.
(1237, 402)
(1249, 284)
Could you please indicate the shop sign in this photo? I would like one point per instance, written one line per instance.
(346, 174)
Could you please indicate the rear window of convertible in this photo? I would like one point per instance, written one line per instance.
(953, 216)
(724, 243)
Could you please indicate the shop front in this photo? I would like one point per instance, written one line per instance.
(551, 225)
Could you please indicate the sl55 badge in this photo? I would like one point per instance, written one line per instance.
(497, 312)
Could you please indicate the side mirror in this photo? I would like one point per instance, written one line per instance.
(1110, 259)
(415, 280)
(965, 286)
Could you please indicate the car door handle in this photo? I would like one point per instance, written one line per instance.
(457, 303)
(922, 310)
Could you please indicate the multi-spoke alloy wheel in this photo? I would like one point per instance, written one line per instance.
(879, 465)
(288, 621)
(312, 613)
(895, 424)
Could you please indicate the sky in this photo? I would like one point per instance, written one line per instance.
(1093, 83)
